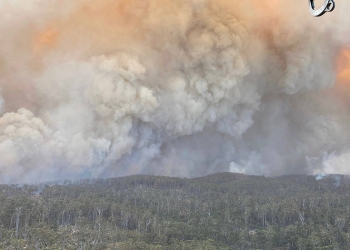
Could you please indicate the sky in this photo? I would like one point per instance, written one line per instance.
(105, 88)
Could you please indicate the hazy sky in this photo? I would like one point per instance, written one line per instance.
(102, 88)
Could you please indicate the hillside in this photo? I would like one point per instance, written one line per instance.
(220, 211)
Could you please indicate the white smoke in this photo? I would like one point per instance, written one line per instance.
(181, 88)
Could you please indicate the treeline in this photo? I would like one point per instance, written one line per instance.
(221, 211)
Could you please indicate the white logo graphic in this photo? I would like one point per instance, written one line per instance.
(328, 6)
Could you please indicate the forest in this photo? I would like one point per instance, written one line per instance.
(219, 211)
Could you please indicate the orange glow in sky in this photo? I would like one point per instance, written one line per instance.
(45, 39)
(343, 67)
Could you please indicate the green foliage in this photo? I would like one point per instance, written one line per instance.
(222, 211)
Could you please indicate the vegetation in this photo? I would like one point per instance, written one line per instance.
(221, 211)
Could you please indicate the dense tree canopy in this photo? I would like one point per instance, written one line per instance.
(221, 211)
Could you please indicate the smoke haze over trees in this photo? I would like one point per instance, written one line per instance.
(221, 211)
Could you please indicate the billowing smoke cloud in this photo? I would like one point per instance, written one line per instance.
(182, 88)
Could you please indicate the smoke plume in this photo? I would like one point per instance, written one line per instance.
(102, 88)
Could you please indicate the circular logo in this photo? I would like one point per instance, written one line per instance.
(328, 6)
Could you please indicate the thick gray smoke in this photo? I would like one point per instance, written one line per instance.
(101, 88)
